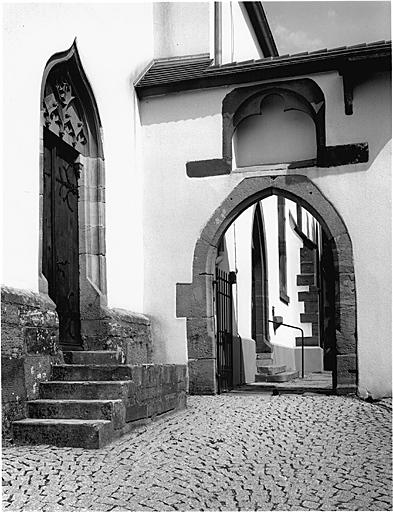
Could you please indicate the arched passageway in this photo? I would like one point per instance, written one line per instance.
(195, 300)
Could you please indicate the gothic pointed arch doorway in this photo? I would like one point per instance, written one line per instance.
(194, 300)
(259, 284)
(72, 223)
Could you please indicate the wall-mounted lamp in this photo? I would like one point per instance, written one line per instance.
(277, 320)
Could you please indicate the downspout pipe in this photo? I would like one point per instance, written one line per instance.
(217, 33)
(260, 26)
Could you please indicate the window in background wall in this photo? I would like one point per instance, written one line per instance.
(282, 249)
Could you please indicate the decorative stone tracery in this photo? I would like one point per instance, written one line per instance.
(61, 114)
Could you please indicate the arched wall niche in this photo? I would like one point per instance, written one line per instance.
(195, 302)
(69, 111)
(275, 127)
(305, 95)
(302, 95)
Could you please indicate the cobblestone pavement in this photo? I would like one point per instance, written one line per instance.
(228, 452)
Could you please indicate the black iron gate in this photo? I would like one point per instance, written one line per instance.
(224, 329)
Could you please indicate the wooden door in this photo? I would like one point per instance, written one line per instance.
(60, 263)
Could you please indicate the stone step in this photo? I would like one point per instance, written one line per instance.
(92, 372)
(64, 432)
(292, 388)
(264, 355)
(279, 377)
(309, 341)
(85, 390)
(92, 357)
(271, 369)
(305, 279)
(111, 410)
(264, 362)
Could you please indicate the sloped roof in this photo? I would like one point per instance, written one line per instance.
(196, 71)
(174, 69)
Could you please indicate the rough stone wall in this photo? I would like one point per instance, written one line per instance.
(126, 332)
(155, 389)
(29, 346)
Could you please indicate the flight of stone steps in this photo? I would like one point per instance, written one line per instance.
(269, 372)
(93, 399)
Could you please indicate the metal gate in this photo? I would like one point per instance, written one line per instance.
(224, 329)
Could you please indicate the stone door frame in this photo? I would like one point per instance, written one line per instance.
(195, 300)
(91, 201)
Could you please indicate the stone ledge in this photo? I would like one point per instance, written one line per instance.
(123, 315)
(18, 296)
(157, 388)
(123, 331)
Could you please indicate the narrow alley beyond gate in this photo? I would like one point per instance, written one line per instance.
(228, 452)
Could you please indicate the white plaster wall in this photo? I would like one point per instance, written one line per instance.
(362, 196)
(115, 43)
(175, 131)
(237, 41)
(187, 126)
(307, 224)
(231, 246)
(181, 28)
(243, 228)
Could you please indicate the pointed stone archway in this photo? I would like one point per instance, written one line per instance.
(195, 300)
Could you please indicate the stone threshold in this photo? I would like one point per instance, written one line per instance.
(315, 383)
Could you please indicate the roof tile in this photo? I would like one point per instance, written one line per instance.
(200, 67)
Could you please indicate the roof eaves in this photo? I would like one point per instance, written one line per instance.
(189, 76)
(343, 51)
(181, 62)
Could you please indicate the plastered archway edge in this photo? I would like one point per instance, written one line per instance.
(195, 300)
